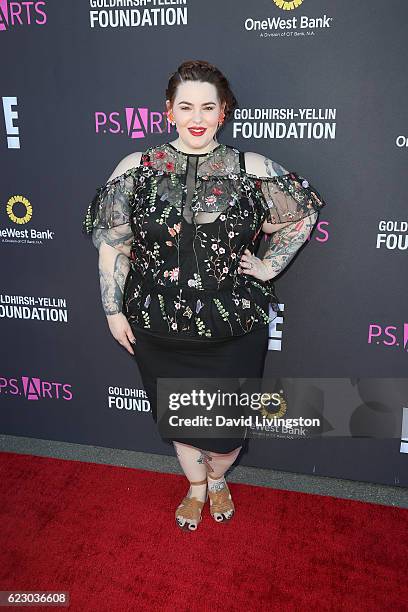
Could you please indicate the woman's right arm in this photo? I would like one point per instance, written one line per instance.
(114, 244)
(114, 249)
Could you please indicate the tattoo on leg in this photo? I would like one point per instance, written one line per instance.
(217, 486)
(205, 458)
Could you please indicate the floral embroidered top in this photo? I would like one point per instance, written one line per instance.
(191, 217)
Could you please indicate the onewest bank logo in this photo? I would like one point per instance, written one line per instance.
(288, 5)
(14, 14)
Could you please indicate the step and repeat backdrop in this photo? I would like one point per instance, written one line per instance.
(321, 89)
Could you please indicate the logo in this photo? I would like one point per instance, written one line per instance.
(388, 335)
(275, 334)
(288, 5)
(392, 235)
(136, 122)
(33, 308)
(290, 27)
(404, 434)
(13, 13)
(28, 235)
(128, 399)
(284, 123)
(34, 388)
(27, 207)
(120, 14)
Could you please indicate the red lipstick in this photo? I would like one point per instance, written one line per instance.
(197, 131)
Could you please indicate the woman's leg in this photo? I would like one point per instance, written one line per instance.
(218, 465)
(192, 463)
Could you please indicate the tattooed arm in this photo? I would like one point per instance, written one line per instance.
(285, 242)
(114, 250)
(285, 238)
(112, 236)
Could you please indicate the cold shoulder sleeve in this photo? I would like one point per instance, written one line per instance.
(108, 222)
(112, 204)
(288, 197)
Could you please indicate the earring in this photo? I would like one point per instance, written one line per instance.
(222, 117)
(171, 118)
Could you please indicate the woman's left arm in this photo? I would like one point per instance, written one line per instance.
(285, 195)
(285, 242)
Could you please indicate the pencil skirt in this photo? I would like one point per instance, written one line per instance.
(239, 357)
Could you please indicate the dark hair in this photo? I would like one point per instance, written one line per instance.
(200, 70)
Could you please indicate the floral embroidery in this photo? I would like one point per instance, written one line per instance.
(172, 274)
(189, 238)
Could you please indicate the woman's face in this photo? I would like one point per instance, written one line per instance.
(196, 105)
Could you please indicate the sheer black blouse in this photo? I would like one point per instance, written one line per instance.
(192, 216)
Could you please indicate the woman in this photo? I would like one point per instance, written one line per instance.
(177, 228)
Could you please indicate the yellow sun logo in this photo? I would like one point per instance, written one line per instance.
(19, 199)
(288, 5)
(283, 406)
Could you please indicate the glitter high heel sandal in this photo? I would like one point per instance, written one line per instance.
(190, 509)
(222, 507)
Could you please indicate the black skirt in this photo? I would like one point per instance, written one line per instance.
(231, 359)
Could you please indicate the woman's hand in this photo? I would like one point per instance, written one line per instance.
(253, 266)
(121, 330)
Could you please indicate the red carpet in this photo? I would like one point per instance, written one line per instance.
(107, 535)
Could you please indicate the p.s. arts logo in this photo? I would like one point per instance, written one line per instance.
(135, 122)
(288, 5)
(35, 388)
(21, 13)
(389, 336)
(19, 199)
